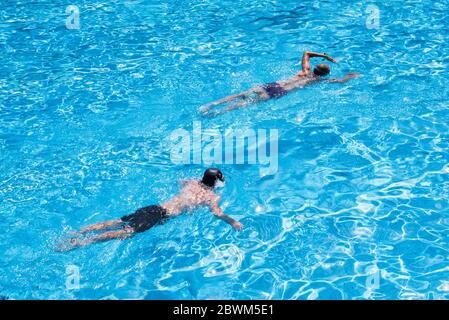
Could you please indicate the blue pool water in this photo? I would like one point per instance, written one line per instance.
(357, 209)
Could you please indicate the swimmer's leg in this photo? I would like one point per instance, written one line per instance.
(230, 108)
(261, 95)
(105, 236)
(102, 226)
(205, 108)
(110, 235)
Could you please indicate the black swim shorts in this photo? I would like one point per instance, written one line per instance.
(144, 218)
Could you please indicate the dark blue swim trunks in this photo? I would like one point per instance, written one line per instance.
(274, 89)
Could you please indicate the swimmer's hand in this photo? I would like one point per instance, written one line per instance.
(352, 75)
(220, 215)
(237, 226)
(329, 58)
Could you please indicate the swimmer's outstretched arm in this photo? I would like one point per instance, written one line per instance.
(216, 210)
(349, 76)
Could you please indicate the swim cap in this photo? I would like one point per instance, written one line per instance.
(321, 70)
(211, 176)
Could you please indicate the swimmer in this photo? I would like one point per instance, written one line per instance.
(192, 195)
(280, 88)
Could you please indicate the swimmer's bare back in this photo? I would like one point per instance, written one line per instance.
(192, 195)
(279, 88)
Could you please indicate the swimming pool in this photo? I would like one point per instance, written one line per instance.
(358, 207)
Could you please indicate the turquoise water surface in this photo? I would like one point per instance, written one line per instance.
(358, 208)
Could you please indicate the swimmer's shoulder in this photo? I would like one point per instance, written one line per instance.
(208, 195)
(200, 188)
(189, 183)
(212, 197)
(193, 186)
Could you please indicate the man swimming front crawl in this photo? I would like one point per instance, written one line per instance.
(192, 195)
(280, 88)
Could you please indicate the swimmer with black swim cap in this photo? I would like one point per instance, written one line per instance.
(193, 194)
(211, 176)
(279, 88)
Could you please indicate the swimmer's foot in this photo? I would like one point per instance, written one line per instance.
(204, 109)
(212, 114)
(71, 244)
(207, 107)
